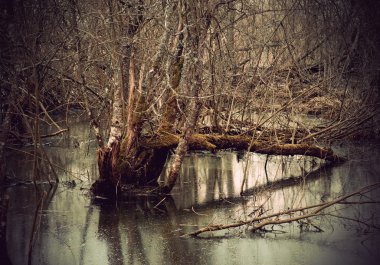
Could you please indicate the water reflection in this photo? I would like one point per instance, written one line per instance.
(207, 177)
(76, 230)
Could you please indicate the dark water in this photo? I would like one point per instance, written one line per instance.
(71, 228)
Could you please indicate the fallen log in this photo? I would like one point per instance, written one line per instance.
(140, 169)
(214, 142)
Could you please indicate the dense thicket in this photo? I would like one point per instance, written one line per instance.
(159, 68)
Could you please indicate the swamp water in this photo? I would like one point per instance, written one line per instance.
(72, 228)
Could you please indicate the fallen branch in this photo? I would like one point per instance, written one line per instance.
(274, 219)
(19, 136)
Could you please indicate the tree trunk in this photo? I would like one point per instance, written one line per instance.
(126, 163)
(197, 30)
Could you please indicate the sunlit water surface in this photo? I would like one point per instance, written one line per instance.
(71, 228)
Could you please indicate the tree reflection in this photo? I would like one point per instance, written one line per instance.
(4, 200)
(145, 230)
(124, 221)
(108, 230)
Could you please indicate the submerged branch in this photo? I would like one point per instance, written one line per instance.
(275, 218)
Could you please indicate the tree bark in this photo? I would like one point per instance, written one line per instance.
(196, 34)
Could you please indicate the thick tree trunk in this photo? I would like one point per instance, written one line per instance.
(126, 162)
(108, 155)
